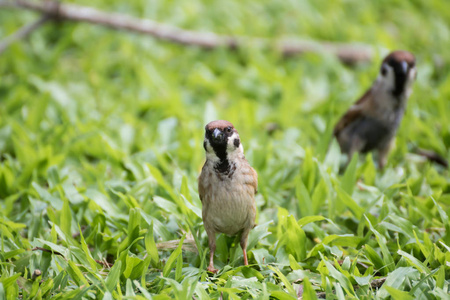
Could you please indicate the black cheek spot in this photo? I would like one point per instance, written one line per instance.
(204, 145)
(236, 142)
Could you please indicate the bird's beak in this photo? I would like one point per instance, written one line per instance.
(218, 134)
(404, 67)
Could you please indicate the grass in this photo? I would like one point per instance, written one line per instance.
(101, 145)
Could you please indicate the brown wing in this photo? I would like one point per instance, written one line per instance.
(354, 112)
(253, 182)
(202, 184)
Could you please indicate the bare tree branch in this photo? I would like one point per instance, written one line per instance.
(433, 157)
(22, 33)
(348, 53)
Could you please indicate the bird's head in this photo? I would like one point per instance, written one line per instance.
(221, 140)
(398, 72)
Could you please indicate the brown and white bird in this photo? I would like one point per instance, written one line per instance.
(227, 187)
(372, 122)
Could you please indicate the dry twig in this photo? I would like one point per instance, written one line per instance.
(188, 245)
(22, 33)
(346, 52)
(433, 157)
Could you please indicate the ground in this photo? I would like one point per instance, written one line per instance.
(101, 136)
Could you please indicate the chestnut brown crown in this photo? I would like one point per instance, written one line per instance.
(219, 124)
(399, 56)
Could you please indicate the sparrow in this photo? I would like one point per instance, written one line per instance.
(227, 186)
(372, 122)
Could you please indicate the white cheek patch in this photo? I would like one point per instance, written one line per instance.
(210, 153)
(412, 75)
(411, 78)
(230, 142)
(231, 147)
(386, 82)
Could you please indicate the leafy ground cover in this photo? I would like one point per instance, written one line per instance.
(101, 145)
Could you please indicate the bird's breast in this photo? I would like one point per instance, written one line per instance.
(229, 205)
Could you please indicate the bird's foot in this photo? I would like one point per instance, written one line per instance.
(212, 269)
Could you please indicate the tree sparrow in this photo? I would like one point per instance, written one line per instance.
(227, 186)
(372, 122)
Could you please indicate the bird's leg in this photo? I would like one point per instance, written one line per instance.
(244, 239)
(245, 257)
(382, 156)
(357, 145)
(212, 249)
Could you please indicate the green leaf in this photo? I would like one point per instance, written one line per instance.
(349, 179)
(414, 262)
(397, 279)
(66, 219)
(293, 263)
(398, 294)
(76, 274)
(113, 276)
(308, 291)
(150, 246)
(341, 278)
(376, 259)
(304, 200)
(286, 282)
(357, 211)
(296, 239)
(387, 257)
(282, 295)
(172, 258)
(132, 267)
(306, 220)
(86, 251)
(440, 280)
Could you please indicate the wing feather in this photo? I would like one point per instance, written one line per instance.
(354, 113)
(202, 184)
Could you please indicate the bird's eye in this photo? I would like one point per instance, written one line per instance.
(384, 70)
(228, 129)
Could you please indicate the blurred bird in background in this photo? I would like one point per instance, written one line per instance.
(372, 122)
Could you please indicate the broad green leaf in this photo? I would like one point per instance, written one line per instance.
(113, 276)
(76, 274)
(414, 262)
(306, 220)
(150, 246)
(387, 257)
(282, 295)
(308, 291)
(286, 282)
(344, 281)
(376, 259)
(440, 280)
(398, 294)
(293, 263)
(87, 253)
(296, 239)
(132, 267)
(172, 258)
(350, 203)
(349, 179)
(304, 200)
(66, 219)
(397, 279)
